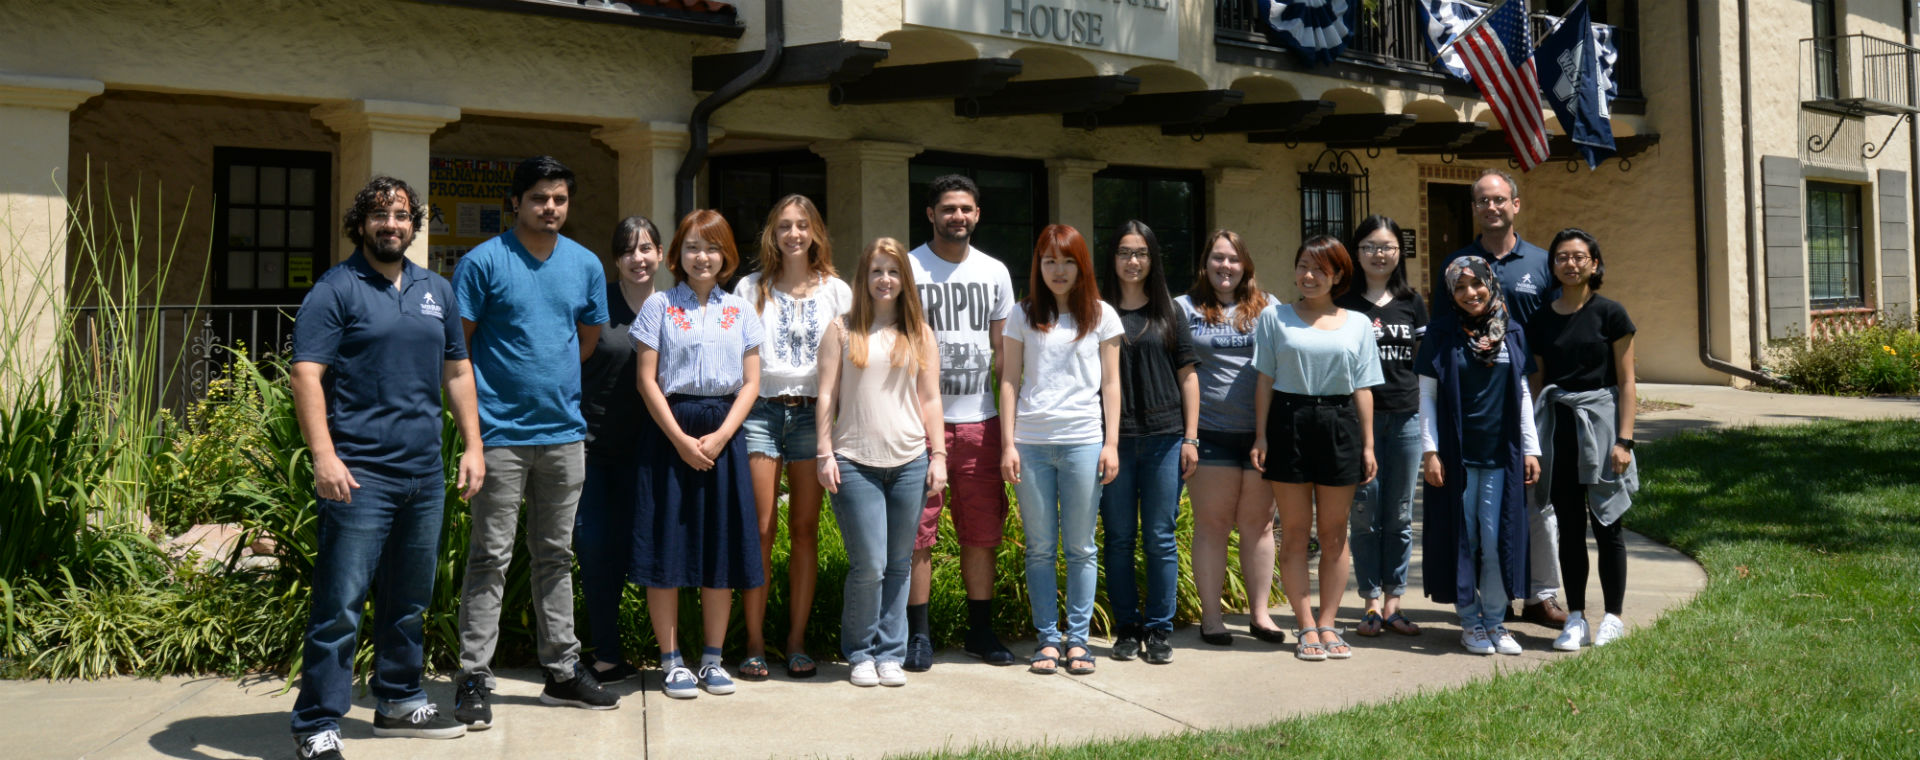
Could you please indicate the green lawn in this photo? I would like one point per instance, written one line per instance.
(1803, 644)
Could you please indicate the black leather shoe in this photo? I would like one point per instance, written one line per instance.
(987, 647)
(1269, 635)
(1221, 639)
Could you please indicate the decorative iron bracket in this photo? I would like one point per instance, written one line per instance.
(1871, 150)
(1820, 144)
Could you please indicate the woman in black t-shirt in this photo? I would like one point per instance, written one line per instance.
(610, 402)
(1381, 527)
(1583, 344)
(1159, 444)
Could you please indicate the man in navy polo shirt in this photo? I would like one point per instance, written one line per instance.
(532, 303)
(374, 343)
(1526, 280)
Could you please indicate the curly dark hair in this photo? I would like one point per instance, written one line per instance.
(376, 195)
(949, 183)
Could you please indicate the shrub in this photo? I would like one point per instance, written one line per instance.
(1881, 359)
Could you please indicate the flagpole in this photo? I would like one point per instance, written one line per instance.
(1442, 52)
(1561, 21)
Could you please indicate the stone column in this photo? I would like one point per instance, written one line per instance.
(384, 137)
(34, 119)
(1229, 205)
(1070, 193)
(649, 154)
(866, 195)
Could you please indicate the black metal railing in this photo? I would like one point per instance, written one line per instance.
(195, 344)
(1389, 35)
(1857, 73)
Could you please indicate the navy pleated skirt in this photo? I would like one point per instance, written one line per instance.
(693, 528)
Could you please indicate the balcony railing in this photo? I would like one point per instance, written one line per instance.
(1857, 74)
(196, 344)
(1391, 36)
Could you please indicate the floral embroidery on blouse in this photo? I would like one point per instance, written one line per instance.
(728, 316)
(679, 316)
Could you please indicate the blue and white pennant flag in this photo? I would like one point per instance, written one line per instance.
(1318, 30)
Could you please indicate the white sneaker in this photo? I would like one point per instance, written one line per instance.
(1476, 641)
(891, 674)
(1575, 634)
(1503, 641)
(1611, 628)
(864, 674)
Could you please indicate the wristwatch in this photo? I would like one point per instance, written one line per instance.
(1625, 443)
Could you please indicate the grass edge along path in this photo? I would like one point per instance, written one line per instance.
(1802, 644)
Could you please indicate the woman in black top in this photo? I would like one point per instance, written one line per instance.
(1381, 526)
(1159, 447)
(1583, 344)
(610, 402)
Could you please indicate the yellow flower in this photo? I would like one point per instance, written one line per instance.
(1889, 350)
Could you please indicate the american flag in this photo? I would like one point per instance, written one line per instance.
(1499, 53)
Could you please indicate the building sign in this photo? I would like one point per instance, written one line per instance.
(467, 199)
(1146, 28)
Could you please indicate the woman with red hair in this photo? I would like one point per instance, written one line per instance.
(1060, 406)
(693, 524)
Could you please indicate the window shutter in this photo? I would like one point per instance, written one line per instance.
(1896, 256)
(1786, 234)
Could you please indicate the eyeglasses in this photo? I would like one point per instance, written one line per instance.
(1133, 254)
(1571, 258)
(1490, 202)
(398, 216)
(1379, 249)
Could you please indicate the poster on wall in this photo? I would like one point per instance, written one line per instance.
(467, 206)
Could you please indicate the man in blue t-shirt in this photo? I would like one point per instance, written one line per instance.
(532, 302)
(374, 343)
(1526, 280)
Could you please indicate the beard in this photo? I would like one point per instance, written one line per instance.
(947, 234)
(387, 252)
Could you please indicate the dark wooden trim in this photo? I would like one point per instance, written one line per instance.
(1442, 135)
(942, 80)
(725, 24)
(1259, 117)
(1366, 128)
(1050, 96)
(1193, 107)
(836, 62)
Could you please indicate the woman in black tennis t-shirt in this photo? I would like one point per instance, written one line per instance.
(1583, 344)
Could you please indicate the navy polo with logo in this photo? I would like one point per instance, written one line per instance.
(385, 348)
(1526, 278)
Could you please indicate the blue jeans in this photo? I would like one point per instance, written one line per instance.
(780, 431)
(1481, 504)
(603, 542)
(878, 510)
(1381, 527)
(388, 536)
(1059, 492)
(1144, 501)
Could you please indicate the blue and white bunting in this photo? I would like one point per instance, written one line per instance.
(1318, 30)
(1442, 21)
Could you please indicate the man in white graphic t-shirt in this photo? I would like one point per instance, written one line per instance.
(968, 296)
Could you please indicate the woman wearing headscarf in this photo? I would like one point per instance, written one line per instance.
(1479, 453)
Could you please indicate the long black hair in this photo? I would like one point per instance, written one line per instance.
(1160, 313)
(1397, 279)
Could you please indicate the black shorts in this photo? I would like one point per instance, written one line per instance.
(1314, 439)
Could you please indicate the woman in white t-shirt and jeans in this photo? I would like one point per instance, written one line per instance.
(1061, 353)
(798, 296)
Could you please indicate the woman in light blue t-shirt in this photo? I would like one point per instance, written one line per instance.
(1313, 430)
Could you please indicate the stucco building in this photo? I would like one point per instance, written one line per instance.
(1765, 184)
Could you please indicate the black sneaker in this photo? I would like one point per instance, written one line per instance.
(470, 703)
(619, 672)
(321, 746)
(919, 654)
(987, 647)
(424, 723)
(1126, 646)
(579, 691)
(1159, 649)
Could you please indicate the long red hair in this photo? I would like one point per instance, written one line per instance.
(1246, 295)
(1083, 302)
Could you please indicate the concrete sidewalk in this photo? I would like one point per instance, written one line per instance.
(960, 703)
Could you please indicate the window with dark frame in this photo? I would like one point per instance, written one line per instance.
(1171, 202)
(1326, 204)
(1013, 205)
(1826, 57)
(273, 224)
(744, 187)
(1834, 272)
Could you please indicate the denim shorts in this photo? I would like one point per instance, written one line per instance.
(1219, 449)
(780, 431)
